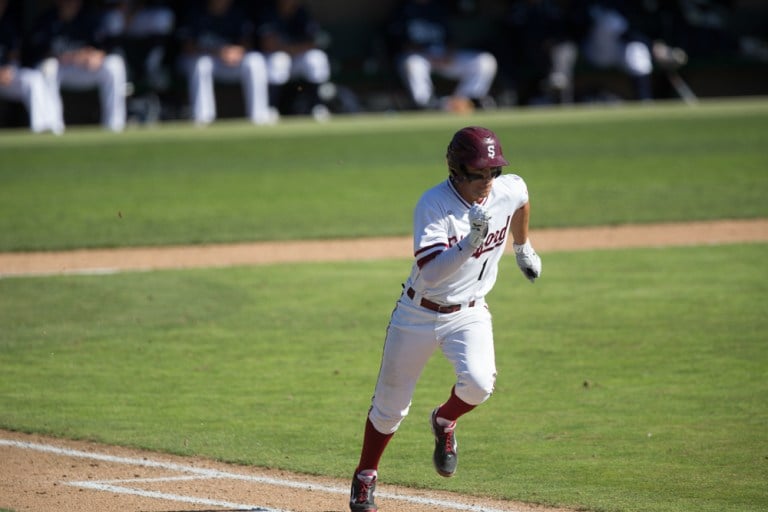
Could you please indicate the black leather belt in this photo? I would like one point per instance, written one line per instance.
(434, 306)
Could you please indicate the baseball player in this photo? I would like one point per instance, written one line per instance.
(18, 83)
(461, 227)
(289, 36)
(66, 43)
(218, 45)
(420, 30)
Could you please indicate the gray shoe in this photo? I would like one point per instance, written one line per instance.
(446, 456)
(363, 487)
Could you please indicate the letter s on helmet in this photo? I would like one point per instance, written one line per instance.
(474, 147)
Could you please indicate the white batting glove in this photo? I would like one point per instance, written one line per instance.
(478, 225)
(528, 261)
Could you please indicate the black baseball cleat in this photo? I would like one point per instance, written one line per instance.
(446, 456)
(363, 487)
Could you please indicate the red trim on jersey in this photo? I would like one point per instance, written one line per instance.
(463, 201)
(433, 250)
(426, 259)
(430, 247)
(456, 192)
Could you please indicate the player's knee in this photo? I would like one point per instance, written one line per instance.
(318, 69)
(414, 65)
(475, 389)
(486, 64)
(114, 66)
(637, 59)
(255, 63)
(279, 67)
(386, 421)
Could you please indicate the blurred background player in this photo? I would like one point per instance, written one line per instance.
(217, 45)
(24, 84)
(292, 42)
(67, 45)
(423, 44)
(609, 39)
(142, 31)
(538, 53)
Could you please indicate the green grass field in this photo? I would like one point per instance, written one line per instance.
(629, 380)
(361, 176)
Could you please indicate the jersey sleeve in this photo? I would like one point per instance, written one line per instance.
(430, 233)
(515, 189)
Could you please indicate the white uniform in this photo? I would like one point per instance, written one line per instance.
(28, 86)
(251, 72)
(465, 335)
(109, 78)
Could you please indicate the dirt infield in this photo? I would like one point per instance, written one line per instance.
(42, 474)
(545, 240)
(47, 475)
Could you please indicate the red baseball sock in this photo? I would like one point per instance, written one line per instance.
(374, 444)
(454, 408)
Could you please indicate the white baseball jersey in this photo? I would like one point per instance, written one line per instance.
(441, 221)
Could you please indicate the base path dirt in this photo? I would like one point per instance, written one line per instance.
(544, 240)
(42, 474)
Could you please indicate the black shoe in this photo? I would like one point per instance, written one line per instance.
(446, 456)
(363, 486)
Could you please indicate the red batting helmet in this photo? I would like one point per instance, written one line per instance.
(474, 147)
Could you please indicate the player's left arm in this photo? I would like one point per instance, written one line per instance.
(527, 259)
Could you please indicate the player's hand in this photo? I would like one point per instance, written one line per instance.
(478, 225)
(528, 261)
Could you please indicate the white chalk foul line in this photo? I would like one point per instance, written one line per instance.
(119, 489)
(203, 473)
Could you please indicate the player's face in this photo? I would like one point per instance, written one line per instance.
(478, 183)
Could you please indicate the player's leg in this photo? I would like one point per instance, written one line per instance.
(410, 341)
(27, 86)
(416, 73)
(49, 69)
(638, 64)
(468, 345)
(112, 90)
(201, 93)
(475, 72)
(254, 77)
(312, 65)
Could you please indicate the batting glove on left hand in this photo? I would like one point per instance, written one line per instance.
(528, 261)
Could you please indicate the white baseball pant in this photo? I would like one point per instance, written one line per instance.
(414, 333)
(28, 86)
(312, 65)
(109, 78)
(475, 72)
(251, 73)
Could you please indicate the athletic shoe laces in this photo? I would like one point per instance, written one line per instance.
(364, 484)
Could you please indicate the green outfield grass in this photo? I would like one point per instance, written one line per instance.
(629, 380)
(360, 176)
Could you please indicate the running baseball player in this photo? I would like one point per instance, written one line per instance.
(461, 227)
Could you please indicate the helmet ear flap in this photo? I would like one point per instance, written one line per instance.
(458, 175)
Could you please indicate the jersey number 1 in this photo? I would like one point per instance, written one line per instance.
(482, 270)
